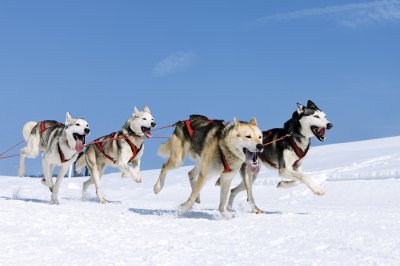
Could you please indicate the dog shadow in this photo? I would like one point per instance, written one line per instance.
(26, 200)
(175, 213)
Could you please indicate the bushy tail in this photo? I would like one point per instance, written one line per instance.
(80, 162)
(26, 131)
(165, 149)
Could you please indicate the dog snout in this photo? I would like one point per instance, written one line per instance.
(329, 126)
(153, 124)
(260, 147)
(86, 130)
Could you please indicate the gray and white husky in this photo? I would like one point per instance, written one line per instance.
(118, 149)
(286, 155)
(60, 144)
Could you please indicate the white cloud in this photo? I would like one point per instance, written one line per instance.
(349, 15)
(174, 63)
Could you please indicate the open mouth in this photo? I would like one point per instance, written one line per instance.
(79, 141)
(251, 160)
(319, 132)
(146, 132)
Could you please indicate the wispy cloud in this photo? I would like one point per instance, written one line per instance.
(349, 15)
(174, 63)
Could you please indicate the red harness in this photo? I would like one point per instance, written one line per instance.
(299, 152)
(135, 150)
(62, 156)
(189, 128)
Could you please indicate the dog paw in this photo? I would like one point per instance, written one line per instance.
(54, 202)
(184, 207)
(227, 215)
(256, 210)
(319, 192)
(157, 188)
(103, 201)
(138, 179)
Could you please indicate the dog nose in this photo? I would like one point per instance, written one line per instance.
(260, 147)
(87, 131)
(153, 124)
(329, 126)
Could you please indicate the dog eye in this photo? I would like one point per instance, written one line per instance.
(316, 116)
(259, 137)
(248, 136)
(77, 124)
(144, 118)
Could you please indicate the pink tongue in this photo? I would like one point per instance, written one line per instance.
(321, 131)
(79, 145)
(148, 135)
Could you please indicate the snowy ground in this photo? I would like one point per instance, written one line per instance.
(357, 222)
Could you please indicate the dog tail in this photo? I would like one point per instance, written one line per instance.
(80, 162)
(27, 130)
(165, 148)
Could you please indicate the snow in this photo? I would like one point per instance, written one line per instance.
(357, 222)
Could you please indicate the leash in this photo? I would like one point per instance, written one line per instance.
(279, 139)
(172, 125)
(19, 143)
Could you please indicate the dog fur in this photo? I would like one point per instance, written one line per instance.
(57, 142)
(136, 129)
(212, 146)
(307, 122)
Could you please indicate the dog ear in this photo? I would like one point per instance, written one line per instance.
(146, 109)
(300, 108)
(311, 104)
(236, 122)
(253, 121)
(135, 111)
(68, 118)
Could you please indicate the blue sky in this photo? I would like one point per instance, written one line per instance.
(224, 59)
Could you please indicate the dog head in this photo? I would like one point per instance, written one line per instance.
(141, 122)
(76, 130)
(313, 121)
(247, 139)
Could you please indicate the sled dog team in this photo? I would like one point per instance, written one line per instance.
(218, 149)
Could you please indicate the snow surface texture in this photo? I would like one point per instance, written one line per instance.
(357, 222)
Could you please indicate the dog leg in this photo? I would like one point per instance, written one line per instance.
(201, 180)
(61, 173)
(192, 178)
(174, 161)
(96, 180)
(86, 184)
(290, 174)
(47, 173)
(248, 182)
(31, 150)
(225, 182)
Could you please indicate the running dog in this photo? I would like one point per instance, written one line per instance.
(217, 150)
(117, 149)
(60, 144)
(286, 154)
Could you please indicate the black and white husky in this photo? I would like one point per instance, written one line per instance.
(286, 155)
(60, 144)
